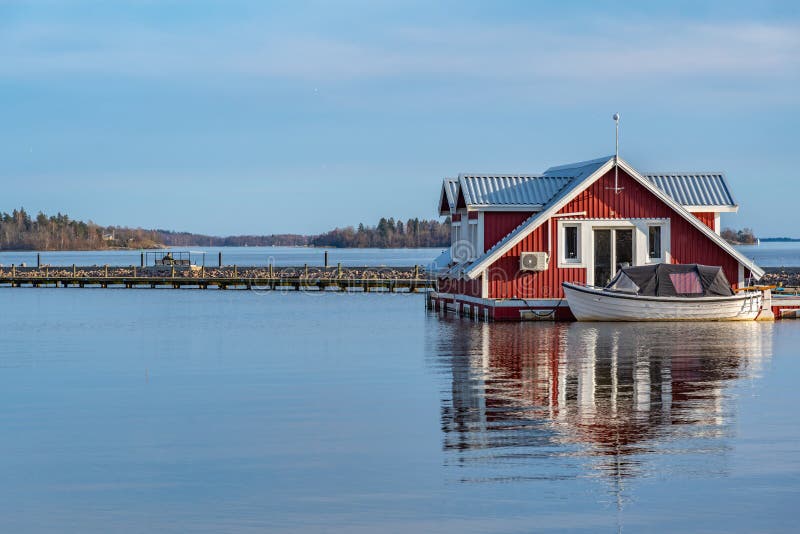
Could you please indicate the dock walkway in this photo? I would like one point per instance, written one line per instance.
(305, 278)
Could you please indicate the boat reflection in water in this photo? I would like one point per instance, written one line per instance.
(541, 401)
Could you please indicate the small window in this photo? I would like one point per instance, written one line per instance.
(571, 243)
(654, 242)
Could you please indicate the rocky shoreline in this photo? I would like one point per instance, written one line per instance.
(302, 272)
(780, 276)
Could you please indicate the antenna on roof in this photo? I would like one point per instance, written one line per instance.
(617, 189)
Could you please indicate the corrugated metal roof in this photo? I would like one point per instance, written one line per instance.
(687, 189)
(510, 190)
(452, 188)
(695, 189)
(581, 169)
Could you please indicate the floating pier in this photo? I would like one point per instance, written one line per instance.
(305, 278)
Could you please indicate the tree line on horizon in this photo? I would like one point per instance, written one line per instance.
(745, 236)
(414, 233)
(20, 231)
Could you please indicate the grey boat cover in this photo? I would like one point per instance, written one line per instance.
(672, 280)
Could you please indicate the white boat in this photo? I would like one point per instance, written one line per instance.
(663, 292)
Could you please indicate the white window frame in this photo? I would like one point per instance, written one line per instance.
(663, 252)
(472, 235)
(563, 261)
(586, 241)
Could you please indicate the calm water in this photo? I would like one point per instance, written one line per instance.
(766, 255)
(279, 256)
(773, 254)
(227, 411)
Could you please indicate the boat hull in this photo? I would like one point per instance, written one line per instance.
(595, 304)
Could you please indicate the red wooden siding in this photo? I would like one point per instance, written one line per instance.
(687, 245)
(497, 225)
(456, 217)
(473, 215)
(460, 287)
(706, 218)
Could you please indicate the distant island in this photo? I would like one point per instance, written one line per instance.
(779, 239)
(745, 236)
(20, 231)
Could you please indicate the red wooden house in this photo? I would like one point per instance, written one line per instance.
(515, 238)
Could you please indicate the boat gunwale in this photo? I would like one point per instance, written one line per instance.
(606, 293)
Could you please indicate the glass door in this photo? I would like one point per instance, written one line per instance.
(623, 248)
(602, 257)
(613, 249)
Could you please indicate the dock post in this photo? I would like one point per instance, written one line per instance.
(338, 270)
(416, 272)
(74, 270)
(220, 259)
(173, 271)
(271, 271)
(38, 260)
(203, 271)
(141, 259)
(13, 270)
(235, 272)
(326, 259)
(134, 270)
(106, 271)
(305, 270)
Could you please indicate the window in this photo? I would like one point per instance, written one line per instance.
(571, 243)
(654, 242)
(473, 240)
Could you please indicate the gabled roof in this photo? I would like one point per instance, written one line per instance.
(449, 194)
(509, 189)
(590, 172)
(696, 191)
(580, 170)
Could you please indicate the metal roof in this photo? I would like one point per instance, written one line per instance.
(582, 169)
(510, 190)
(695, 189)
(452, 188)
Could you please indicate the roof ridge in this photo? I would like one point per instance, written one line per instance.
(577, 164)
(685, 173)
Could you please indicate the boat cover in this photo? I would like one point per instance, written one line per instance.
(672, 280)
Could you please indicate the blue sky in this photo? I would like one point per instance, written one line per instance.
(269, 117)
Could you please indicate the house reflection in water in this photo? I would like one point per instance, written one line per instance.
(565, 400)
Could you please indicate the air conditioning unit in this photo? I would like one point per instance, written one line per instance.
(534, 261)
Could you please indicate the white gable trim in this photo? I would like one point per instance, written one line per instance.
(445, 193)
(533, 222)
(712, 209)
(536, 220)
(757, 271)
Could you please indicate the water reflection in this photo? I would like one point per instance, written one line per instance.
(566, 400)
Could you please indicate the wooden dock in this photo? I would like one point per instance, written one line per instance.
(305, 278)
(296, 284)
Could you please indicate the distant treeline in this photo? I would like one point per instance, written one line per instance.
(19, 231)
(745, 236)
(388, 234)
(186, 239)
(780, 239)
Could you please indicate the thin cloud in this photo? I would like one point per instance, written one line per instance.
(518, 53)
